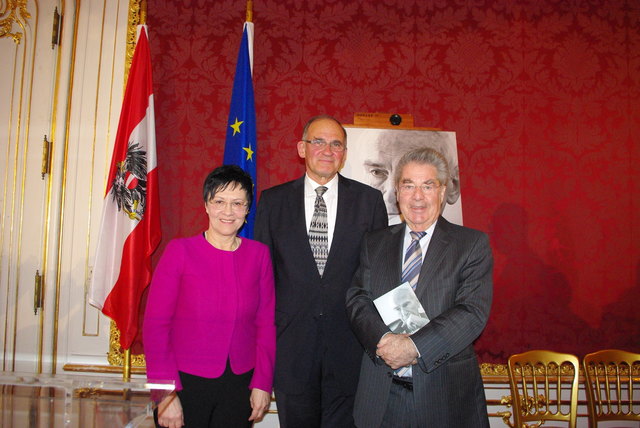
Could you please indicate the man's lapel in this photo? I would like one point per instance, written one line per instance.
(346, 207)
(434, 257)
(396, 256)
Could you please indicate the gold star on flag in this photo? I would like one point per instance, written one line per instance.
(249, 152)
(236, 126)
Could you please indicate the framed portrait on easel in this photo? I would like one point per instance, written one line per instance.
(373, 153)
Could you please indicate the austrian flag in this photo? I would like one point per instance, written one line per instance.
(130, 228)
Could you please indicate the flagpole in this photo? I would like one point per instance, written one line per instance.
(249, 10)
(143, 12)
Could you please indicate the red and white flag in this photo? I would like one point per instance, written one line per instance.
(130, 228)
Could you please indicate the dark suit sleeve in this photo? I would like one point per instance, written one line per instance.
(261, 227)
(380, 216)
(457, 327)
(363, 315)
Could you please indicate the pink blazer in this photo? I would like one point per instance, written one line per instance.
(207, 306)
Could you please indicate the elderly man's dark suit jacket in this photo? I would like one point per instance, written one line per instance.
(302, 296)
(455, 289)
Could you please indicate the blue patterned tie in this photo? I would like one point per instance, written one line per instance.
(319, 231)
(413, 260)
(410, 273)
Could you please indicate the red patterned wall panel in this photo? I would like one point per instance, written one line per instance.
(543, 96)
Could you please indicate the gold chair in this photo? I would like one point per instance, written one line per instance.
(612, 381)
(544, 387)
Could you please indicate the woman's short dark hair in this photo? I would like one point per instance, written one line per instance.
(220, 178)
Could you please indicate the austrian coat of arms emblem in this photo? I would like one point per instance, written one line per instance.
(129, 189)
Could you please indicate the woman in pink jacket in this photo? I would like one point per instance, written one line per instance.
(209, 320)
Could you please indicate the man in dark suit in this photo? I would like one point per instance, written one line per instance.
(314, 227)
(430, 378)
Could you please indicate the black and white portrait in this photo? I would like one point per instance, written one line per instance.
(401, 310)
(373, 153)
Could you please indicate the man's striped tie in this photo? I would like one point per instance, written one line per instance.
(410, 273)
(413, 260)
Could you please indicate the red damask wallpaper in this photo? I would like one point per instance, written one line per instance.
(543, 96)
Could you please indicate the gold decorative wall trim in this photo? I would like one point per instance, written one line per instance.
(74, 20)
(115, 356)
(132, 32)
(15, 13)
(496, 372)
(17, 147)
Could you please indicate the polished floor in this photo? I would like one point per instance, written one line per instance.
(52, 407)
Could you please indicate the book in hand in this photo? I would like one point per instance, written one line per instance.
(401, 310)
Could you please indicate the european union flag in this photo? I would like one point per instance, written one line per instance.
(241, 146)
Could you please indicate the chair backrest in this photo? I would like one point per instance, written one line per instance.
(612, 381)
(544, 387)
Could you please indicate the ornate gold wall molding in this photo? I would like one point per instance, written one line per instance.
(494, 370)
(15, 13)
(134, 20)
(115, 356)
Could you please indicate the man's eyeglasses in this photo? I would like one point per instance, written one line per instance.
(427, 188)
(236, 206)
(319, 143)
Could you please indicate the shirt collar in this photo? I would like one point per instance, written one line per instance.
(429, 231)
(310, 185)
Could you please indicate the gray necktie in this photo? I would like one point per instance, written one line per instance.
(410, 273)
(318, 231)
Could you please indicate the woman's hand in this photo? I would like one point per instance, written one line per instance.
(260, 401)
(170, 412)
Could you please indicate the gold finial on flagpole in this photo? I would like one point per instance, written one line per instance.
(143, 12)
(249, 10)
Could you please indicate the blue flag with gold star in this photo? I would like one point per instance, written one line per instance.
(240, 146)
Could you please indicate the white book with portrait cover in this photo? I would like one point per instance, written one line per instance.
(401, 310)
